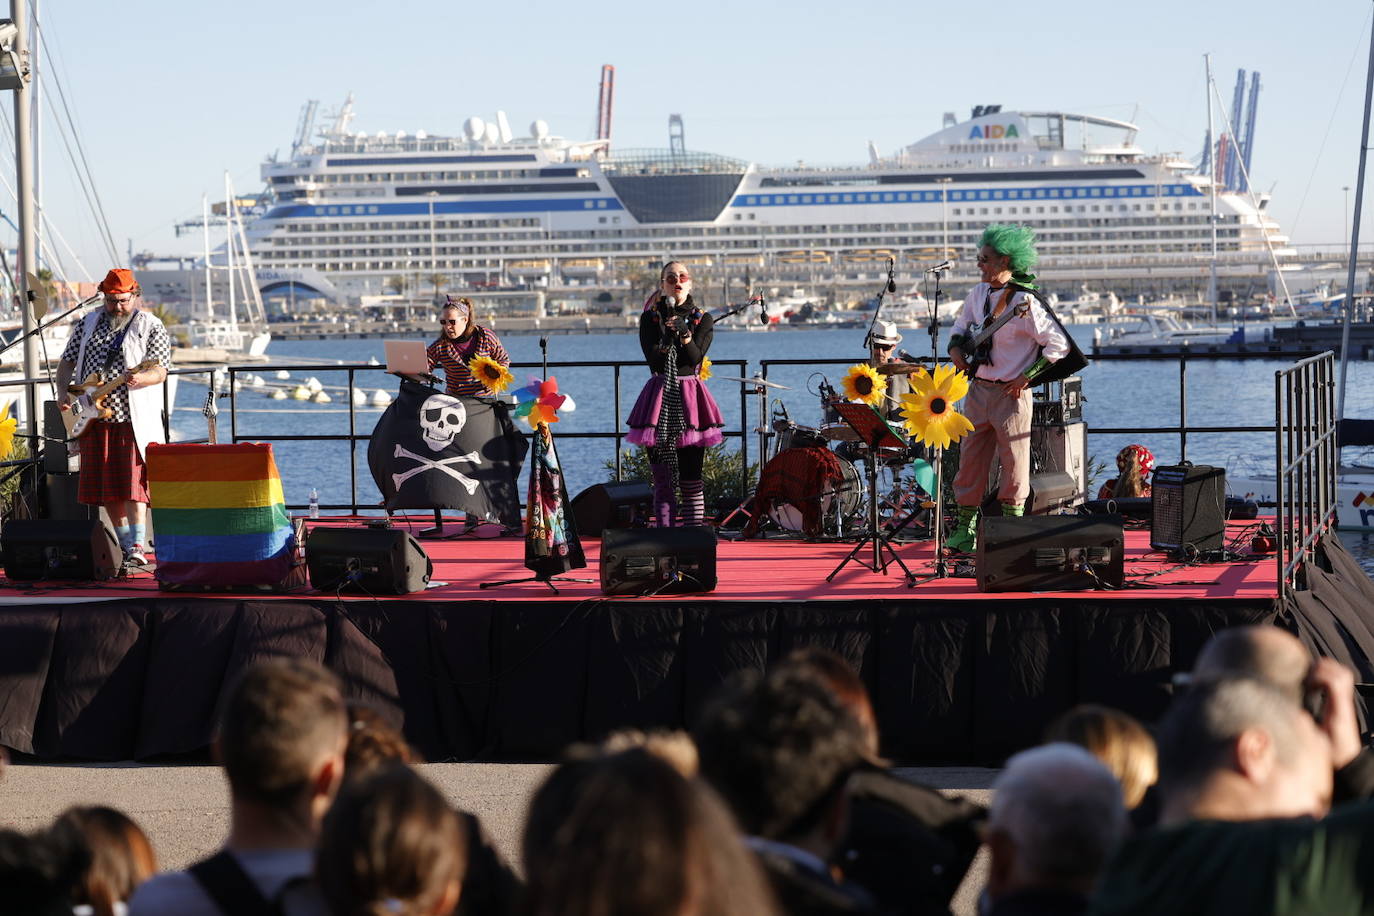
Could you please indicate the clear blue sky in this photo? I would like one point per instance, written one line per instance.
(168, 94)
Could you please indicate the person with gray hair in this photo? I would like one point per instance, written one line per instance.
(1056, 816)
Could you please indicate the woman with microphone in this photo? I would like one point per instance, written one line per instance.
(675, 417)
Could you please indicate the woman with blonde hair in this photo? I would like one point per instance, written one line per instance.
(1115, 738)
(1134, 464)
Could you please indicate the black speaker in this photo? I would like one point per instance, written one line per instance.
(44, 548)
(622, 504)
(1188, 509)
(1050, 553)
(665, 561)
(1142, 507)
(375, 560)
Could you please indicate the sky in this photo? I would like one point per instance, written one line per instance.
(168, 95)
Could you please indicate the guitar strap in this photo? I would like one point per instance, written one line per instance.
(984, 352)
(116, 349)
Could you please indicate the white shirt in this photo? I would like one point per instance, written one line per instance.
(177, 893)
(1016, 345)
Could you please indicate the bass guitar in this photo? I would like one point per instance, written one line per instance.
(88, 399)
(979, 350)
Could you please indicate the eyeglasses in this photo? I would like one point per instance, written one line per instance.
(115, 300)
(984, 258)
(676, 278)
(448, 320)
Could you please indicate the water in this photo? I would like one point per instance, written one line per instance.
(1121, 394)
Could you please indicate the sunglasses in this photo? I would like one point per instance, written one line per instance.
(676, 278)
(448, 320)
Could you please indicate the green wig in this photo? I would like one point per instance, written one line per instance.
(1016, 243)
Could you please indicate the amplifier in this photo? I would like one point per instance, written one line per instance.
(619, 504)
(1188, 509)
(1063, 404)
(1142, 507)
(374, 560)
(1050, 553)
(44, 548)
(665, 561)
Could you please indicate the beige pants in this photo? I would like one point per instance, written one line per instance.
(1001, 431)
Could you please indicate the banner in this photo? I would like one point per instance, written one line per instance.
(551, 542)
(430, 450)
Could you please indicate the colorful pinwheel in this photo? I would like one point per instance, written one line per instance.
(538, 402)
(863, 383)
(494, 377)
(929, 411)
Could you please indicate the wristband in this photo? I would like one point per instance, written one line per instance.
(1036, 368)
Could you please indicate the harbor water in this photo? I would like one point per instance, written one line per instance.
(1121, 394)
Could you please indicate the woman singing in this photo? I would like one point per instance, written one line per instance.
(675, 418)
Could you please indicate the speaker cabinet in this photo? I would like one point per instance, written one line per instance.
(42, 548)
(379, 561)
(622, 504)
(1188, 509)
(665, 561)
(1050, 553)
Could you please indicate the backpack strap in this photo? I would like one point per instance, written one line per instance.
(229, 886)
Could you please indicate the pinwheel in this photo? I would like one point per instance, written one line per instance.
(539, 401)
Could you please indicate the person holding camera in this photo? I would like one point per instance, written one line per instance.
(675, 417)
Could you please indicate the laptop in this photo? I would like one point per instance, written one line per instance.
(406, 357)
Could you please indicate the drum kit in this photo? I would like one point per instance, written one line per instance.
(845, 506)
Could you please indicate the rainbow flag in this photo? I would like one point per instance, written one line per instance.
(219, 515)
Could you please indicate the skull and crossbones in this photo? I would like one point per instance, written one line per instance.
(442, 417)
(427, 464)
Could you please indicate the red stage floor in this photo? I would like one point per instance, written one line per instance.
(759, 570)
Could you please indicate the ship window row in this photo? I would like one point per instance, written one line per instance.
(886, 197)
(393, 177)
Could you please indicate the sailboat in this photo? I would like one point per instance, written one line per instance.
(247, 334)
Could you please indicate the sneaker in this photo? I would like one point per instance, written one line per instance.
(135, 556)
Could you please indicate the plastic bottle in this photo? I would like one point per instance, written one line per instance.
(314, 503)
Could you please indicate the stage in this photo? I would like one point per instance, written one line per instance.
(123, 670)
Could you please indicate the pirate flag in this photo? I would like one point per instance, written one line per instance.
(430, 450)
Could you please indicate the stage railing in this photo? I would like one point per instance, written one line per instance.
(1306, 456)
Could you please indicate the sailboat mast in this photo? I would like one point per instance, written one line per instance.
(1212, 184)
(229, 249)
(1355, 235)
(205, 236)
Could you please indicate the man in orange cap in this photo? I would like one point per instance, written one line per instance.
(109, 342)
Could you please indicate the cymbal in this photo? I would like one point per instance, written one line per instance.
(752, 381)
(899, 368)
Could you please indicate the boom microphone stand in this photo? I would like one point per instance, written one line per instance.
(889, 287)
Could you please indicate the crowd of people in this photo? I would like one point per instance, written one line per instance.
(1248, 797)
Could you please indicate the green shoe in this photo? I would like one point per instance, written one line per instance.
(1009, 511)
(963, 537)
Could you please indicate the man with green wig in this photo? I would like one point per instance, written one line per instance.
(1002, 368)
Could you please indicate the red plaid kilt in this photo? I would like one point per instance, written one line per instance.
(112, 471)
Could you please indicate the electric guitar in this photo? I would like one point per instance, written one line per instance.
(88, 399)
(978, 350)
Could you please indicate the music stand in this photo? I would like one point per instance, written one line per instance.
(873, 430)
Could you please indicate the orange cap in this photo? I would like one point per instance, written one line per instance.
(119, 280)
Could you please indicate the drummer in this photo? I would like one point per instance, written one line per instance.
(882, 349)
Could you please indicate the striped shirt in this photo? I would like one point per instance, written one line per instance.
(454, 356)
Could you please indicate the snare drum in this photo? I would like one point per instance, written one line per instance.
(845, 498)
(792, 435)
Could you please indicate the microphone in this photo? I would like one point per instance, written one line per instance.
(947, 265)
(907, 357)
(891, 279)
(763, 309)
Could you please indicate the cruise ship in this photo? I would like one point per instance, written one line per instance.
(490, 209)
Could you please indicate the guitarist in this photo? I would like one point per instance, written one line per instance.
(1003, 367)
(106, 343)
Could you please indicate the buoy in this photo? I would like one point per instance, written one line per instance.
(313, 384)
(283, 374)
(359, 396)
(380, 398)
(301, 393)
(321, 397)
(257, 381)
(279, 395)
(372, 361)
(569, 405)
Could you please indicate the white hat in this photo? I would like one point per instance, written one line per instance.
(885, 332)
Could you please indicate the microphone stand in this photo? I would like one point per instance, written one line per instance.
(889, 287)
(41, 326)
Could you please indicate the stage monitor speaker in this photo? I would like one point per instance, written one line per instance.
(620, 504)
(1142, 507)
(373, 560)
(1188, 509)
(664, 561)
(44, 548)
(1050, 553)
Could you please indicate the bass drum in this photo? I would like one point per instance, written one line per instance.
(847, 494)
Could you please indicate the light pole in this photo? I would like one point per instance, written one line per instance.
(14, 74)
(1345, 219)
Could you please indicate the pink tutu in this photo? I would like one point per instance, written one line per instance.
(701, 417)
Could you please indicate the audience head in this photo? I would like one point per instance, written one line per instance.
(627, 833)
(780, 749)
(1056, 816)
(391, 845)
(845, 683)
(1265, 653)
(1134, 464)
(121, 858)
(674, 748)
(373, 743)
(39, 871)
(282, 735)
(1239, 749)
(1119, 741)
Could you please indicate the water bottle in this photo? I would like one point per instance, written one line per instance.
(314, 503)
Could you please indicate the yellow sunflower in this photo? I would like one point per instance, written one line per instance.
(929, 412)
(705, 372)
(494, 377)
(7, 426)
(863, 383)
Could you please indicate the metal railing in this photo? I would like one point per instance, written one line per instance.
(1306, 456)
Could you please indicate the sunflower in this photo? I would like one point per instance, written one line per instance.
(705, 371)
(493, 376)
(7, 427)
(863, 383)
(929, 412)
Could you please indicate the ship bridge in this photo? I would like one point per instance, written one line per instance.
(665, 185)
